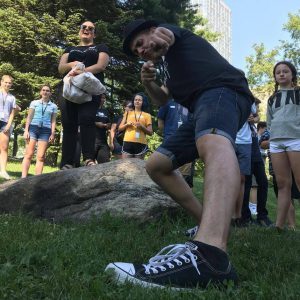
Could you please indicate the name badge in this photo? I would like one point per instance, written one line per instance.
(1, 114)
(137, 135)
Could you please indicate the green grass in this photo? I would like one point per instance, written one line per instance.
(14, 169)
(42, 260)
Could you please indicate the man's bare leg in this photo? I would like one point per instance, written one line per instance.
(221, 188)
(159, 168)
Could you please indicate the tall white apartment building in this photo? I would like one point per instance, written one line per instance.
(218, 15)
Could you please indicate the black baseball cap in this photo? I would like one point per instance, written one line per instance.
(132, 29)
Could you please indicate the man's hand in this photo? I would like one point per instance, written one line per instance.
(161, 39)
(251, 119)
(148, 72)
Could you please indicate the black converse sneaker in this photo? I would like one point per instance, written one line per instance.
(190, 265)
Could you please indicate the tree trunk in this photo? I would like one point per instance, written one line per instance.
(15, 145)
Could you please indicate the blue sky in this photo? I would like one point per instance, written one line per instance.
(258, 21)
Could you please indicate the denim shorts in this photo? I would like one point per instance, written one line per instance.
(243, 153)
(39, 133)
(2, 125)
(221, 111)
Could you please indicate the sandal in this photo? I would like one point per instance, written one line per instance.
(67, 167)
(90, 162)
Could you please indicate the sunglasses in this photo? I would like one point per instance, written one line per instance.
(89, 28)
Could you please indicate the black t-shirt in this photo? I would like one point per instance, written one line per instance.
(102, 115)
(88, 55)
(193, 65)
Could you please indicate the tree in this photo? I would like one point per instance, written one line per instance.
(291, 49)
(33, 37)
(27, 52)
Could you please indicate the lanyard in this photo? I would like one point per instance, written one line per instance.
(43, 110)
(3, 100)
(137, 120)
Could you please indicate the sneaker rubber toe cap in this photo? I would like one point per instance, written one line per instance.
(122, 271)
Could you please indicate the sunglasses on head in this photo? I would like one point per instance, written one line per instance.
(89, 28)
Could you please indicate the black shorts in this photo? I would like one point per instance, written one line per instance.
(132, 148)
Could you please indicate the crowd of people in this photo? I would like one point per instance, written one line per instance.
(207, 112)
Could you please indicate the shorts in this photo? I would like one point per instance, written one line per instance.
(284, 145)
(2, 125)
(39, 133)
(221, 111)
(243, 153)
(132, 148)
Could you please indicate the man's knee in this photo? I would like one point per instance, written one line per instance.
(158, 163)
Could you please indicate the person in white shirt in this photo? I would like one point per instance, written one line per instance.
(7, 113)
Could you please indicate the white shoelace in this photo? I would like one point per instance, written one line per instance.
(161, 261)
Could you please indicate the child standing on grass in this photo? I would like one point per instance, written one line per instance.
(40, 129)
(7, 113)
(283, 115)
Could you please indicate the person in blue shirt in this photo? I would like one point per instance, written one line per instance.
(39, 129)
(170, 117)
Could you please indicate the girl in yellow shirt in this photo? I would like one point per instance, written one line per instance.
(137, 124)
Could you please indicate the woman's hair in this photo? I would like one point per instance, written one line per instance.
(261, 124)
(145, 104)
(47, 85)
(127, 103)
(291, 67)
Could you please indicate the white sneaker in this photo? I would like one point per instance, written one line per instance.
(252, 207)
(4, 175)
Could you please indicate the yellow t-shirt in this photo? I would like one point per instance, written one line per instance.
(132, 134)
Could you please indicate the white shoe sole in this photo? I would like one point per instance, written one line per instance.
(122, 277)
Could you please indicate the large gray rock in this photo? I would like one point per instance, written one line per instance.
(120, 187)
